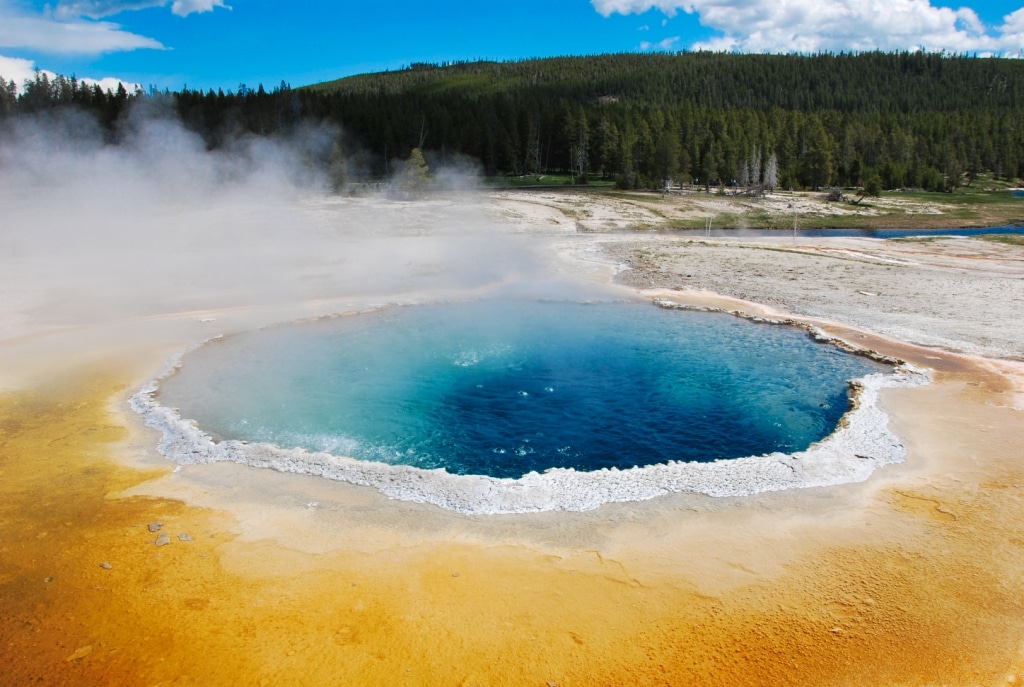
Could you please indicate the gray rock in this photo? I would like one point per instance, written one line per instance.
(185, 536)
(163, 539)
(106, 566)
(154, 526)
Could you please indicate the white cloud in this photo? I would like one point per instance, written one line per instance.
(95, 9)
(1013, 30)
(16, 69)
(110, 83)
(19, 70)
(75, 36)
(610, 7)
(183, 8)
(1014, 22)
(817, 25)
(73, 27)
(666, 44)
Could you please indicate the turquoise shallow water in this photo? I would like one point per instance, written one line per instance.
(503, 388)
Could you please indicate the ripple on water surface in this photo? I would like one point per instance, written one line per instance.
(502, 388)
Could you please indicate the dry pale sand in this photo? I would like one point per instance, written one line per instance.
(914, 577)
(628, 211)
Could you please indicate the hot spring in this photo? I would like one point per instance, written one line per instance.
(507, 393)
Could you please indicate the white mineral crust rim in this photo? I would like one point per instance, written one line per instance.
(861, 443)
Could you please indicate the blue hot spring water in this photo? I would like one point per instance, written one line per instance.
(503, 388)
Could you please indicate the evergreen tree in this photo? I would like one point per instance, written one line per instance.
(667, 155)
(414, 177)
(817, 156)
(8, 97)
(872, 187)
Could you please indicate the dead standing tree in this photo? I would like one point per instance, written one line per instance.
(771, 173)
(579, 156)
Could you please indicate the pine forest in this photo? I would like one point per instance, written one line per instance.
(901, 120)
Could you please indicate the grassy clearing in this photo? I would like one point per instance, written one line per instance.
(531, 180)
(921, 239)
(964, 208)
(1008, 239)
(985, 203)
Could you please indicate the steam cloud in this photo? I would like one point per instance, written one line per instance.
(93, 232)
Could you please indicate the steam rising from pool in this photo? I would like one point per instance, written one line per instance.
(511, 406)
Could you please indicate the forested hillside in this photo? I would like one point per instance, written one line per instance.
(903, 82)
(910, 119)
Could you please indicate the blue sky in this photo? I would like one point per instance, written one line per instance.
(221, 43)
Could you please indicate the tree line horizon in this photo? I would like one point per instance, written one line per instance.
(898, 120)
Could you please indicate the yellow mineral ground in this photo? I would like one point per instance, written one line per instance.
(915, 577)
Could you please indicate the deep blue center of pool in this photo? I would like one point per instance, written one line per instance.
(503, 388)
